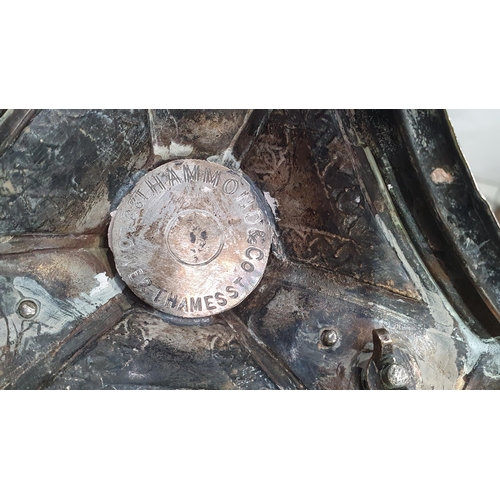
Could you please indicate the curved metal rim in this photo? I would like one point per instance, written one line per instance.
(462, 213)
(448, 220)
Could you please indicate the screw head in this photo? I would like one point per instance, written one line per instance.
(329, 337)
(396, 376)
(27, 309)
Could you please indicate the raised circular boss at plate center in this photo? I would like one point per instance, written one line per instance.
(195, 237)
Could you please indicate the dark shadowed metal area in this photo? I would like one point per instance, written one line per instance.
(371, 261)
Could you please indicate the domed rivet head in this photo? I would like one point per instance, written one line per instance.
(329, 337)
(395, 376)
(27, 309)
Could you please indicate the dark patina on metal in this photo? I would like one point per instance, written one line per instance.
(379, 228)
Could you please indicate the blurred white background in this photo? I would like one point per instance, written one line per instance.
(478, 134)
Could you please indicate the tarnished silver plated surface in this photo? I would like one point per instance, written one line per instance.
(386, 273)
(191, 238)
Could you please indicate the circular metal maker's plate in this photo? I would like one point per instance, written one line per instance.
(191, 238)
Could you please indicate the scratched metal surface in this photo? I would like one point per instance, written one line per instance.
(191, 239)
(344, 257)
